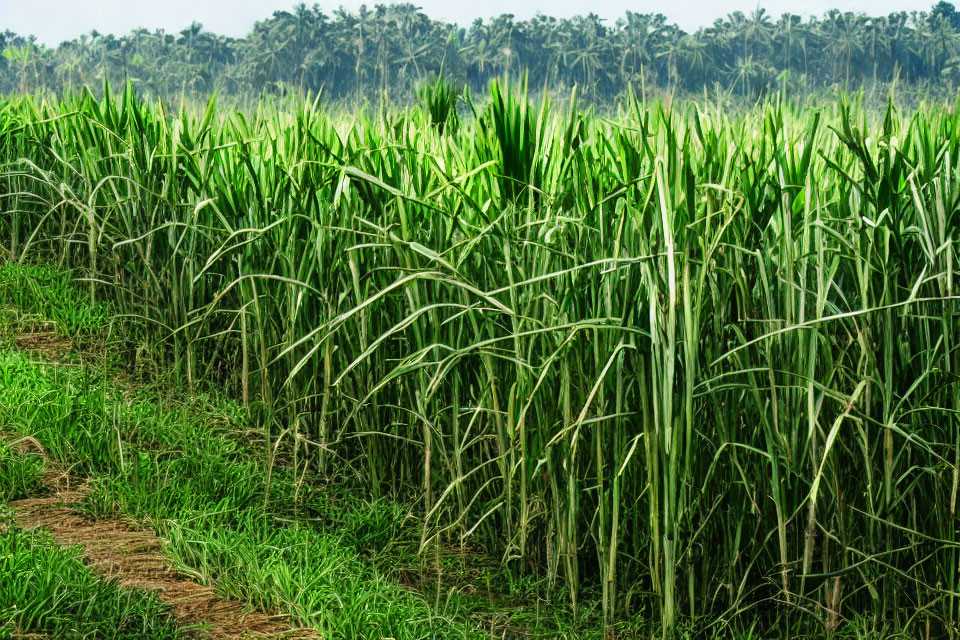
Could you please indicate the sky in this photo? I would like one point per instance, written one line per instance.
(53, 21)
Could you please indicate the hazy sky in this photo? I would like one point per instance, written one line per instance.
(53, 21)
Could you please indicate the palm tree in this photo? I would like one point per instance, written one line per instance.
(877, 43)
(638, 34)
(845, 40)
(939, 44)
(785, 37)
(757, 33)
(23, 56)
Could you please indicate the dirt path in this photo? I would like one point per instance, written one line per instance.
(134, 556)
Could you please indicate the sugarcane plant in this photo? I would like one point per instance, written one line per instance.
(693, 366)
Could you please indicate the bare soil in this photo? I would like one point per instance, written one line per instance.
(44, 342)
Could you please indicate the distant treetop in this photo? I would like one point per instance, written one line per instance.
(393, 49)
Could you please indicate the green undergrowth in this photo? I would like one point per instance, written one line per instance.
(42, 296)
(46, 589)
(20, 473)
(193, 471)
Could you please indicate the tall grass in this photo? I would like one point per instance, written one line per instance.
(696, 366)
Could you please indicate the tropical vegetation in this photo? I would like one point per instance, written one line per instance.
(689, 370)
(391, 49)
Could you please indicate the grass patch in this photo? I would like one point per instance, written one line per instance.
(20, 473)
(46, 589)
(184, 470)
(42, 296)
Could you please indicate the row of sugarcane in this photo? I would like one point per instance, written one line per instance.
(698, 367)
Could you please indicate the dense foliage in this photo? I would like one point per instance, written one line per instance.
(390, 49)
(699, 368)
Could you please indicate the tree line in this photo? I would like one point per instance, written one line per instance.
(391, 49)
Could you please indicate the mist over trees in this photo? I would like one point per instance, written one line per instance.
(390, 49)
